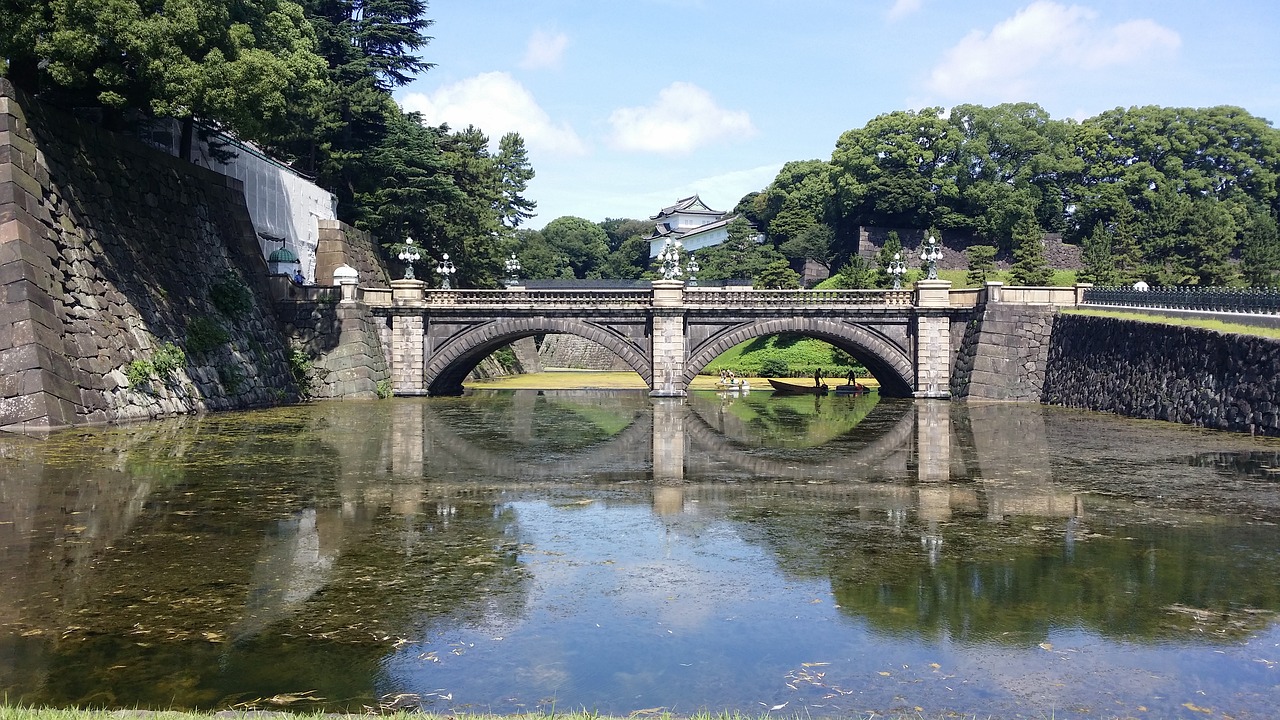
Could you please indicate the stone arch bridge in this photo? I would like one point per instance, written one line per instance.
(667, 334)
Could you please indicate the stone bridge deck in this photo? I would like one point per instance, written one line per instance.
(667, 334)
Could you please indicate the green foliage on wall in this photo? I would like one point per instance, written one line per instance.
(205, 334)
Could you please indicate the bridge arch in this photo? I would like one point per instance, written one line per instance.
(449, 367)
(883, 358)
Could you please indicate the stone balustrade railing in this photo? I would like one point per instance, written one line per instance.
(695, 297)
(775, 298)
(1210, 299)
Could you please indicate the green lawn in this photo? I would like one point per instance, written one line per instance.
(1139, 316)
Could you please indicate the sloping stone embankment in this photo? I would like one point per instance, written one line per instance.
(1164, 372)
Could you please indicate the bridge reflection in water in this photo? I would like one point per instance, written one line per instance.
(907, 453)
(335, 546)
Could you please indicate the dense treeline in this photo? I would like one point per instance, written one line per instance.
(310, 82)
(1166, 195)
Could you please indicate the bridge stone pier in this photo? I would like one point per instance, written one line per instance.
(670, 332)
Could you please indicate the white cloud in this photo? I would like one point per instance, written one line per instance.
(545, 50)
(683, 118)
(903, 8)
(1004, 64)
(497, 104)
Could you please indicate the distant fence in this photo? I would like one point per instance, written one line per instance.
(1209, 299)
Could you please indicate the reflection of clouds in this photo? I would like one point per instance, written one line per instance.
(681, 581)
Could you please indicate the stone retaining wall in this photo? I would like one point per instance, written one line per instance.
(1164, 372)
(1003, 353)
(579, 353)
(341, 340)
(108, 250)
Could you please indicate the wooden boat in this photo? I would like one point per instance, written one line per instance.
(786, 388)
(852, 390)
(733, 386)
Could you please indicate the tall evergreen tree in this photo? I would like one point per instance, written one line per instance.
(1099, 260)
(1029, 266)
(1260, 259)
(514, 172)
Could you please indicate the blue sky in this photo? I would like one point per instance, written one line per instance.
(627, 105)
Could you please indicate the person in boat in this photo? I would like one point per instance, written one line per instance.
(851, 378)
(817, 377)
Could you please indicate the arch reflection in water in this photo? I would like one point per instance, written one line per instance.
(620, 554)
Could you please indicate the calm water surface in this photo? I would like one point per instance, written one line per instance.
(513, 551)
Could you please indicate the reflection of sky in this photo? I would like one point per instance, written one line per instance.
(630, 611)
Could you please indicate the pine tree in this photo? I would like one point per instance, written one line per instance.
(1099, 261)
(1260, 258)
(891, 249)
(515, 172)
(1029, 266)
(982, 261)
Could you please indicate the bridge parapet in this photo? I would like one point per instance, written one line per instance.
(788, 298)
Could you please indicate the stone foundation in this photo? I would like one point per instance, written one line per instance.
(1003, 353)
(1163, 372)
(108, 251)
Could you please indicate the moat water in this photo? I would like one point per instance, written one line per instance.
(514, 551)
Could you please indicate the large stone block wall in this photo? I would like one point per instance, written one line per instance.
(1003, 353)
(579, 353)
(344, 346)
(1164, 372)
(108, 249)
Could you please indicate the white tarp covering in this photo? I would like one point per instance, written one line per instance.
(283, 205)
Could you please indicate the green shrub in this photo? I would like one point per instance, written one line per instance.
(139, 373)
(205, 334)
(231, 378)
(774, 367)
(168, 359)
(303, 371)
(232, 297)
(384, 389)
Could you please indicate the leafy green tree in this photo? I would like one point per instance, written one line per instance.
(892, 248)
(777, 275)
(538, 260)
(740, 256)
(898, 171)
(815, 242)
(1099, 260)
(856, 274)
(1260, 258)
(629, 261)
(620, 230)
(1029, 266)
(250, 66)
(982, 262)
(581, 241)
(514, 172)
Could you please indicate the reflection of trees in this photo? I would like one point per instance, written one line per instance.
(798, 421)
(541, 423)
(1012, 582)
(247, 567)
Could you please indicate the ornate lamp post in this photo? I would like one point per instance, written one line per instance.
(512, 266)
(692, 268)
(670, 259)
(445, 269)
(930, 254)
(896, 268)
(409, 255)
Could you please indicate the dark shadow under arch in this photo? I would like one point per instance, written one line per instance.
(881, 357)
(449, 367)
